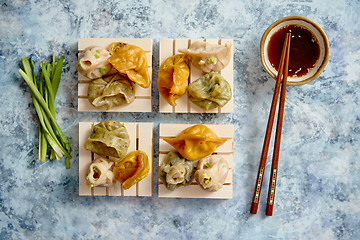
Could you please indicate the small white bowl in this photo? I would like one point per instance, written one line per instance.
(312, 27)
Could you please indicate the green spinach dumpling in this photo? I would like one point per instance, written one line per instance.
(210, 91)
(111, 91)
(108, 138)
(176, 171)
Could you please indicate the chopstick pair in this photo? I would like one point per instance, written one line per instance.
(280, 80)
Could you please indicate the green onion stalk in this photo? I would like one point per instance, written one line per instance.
(43, 97)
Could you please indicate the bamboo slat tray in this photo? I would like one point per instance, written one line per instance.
(143, 98)
(141, 138)
(169, 47)
(194, 190)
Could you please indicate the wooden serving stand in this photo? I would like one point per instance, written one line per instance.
(194, 190)
(169, 47)
(141, 138)
(143, 98)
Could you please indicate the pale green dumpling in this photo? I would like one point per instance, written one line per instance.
(108, 138)
(210, 91)
(111, 91)
(176, 171)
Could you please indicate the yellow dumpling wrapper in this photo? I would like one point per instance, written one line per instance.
(196, 142)
(173, 78)
(132, 169)
(130, 61)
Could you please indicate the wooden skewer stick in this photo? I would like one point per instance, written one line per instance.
(264, 153)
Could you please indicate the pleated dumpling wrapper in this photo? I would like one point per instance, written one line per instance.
(208, 56)
(176, 171)
(130, 61)
(111, 91)
(210, 91)
(108, 138)
(132, 169)
(173, 78)
(211, 172)
(100, 173)
(196, 142)
(93, 62)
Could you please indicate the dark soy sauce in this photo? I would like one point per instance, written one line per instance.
(304, 50)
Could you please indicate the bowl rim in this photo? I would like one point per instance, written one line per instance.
(322, 33)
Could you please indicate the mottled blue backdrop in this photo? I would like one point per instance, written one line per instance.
(318, 191)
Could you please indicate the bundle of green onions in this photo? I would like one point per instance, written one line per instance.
(43, 96)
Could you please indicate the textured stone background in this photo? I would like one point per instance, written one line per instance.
(318, 194)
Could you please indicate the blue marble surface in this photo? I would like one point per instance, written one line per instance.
(318, 191)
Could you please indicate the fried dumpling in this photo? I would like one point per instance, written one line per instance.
(108, 138)
(196, 142)
(176, 171)
(100, 173)
(111, 91)
(173, 78)
(211, 172)
(210, 91)
(130, 61)
(132, 169)
(93, 62)
(208, 56)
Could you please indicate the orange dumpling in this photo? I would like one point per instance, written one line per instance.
(173, 78)
(132, 169)
(196, 142)
(130, 61)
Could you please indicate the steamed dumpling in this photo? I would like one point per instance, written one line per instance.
(210, 91)
(93, 62)
(100, 173)
(196, 142)
(211, 172)
(108, 138)
(173, 78)
(208, 56)
(132, 169)
(176, 171)
(111, 91)
(131, 62)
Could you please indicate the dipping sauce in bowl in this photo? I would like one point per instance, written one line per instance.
(309, 49)
(304, 49)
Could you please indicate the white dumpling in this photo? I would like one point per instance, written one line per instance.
(211, 172)
(100, 173)
(208, 56)
(93, 62)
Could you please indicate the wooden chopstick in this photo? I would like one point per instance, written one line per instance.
(264, 153)
(275, 161)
